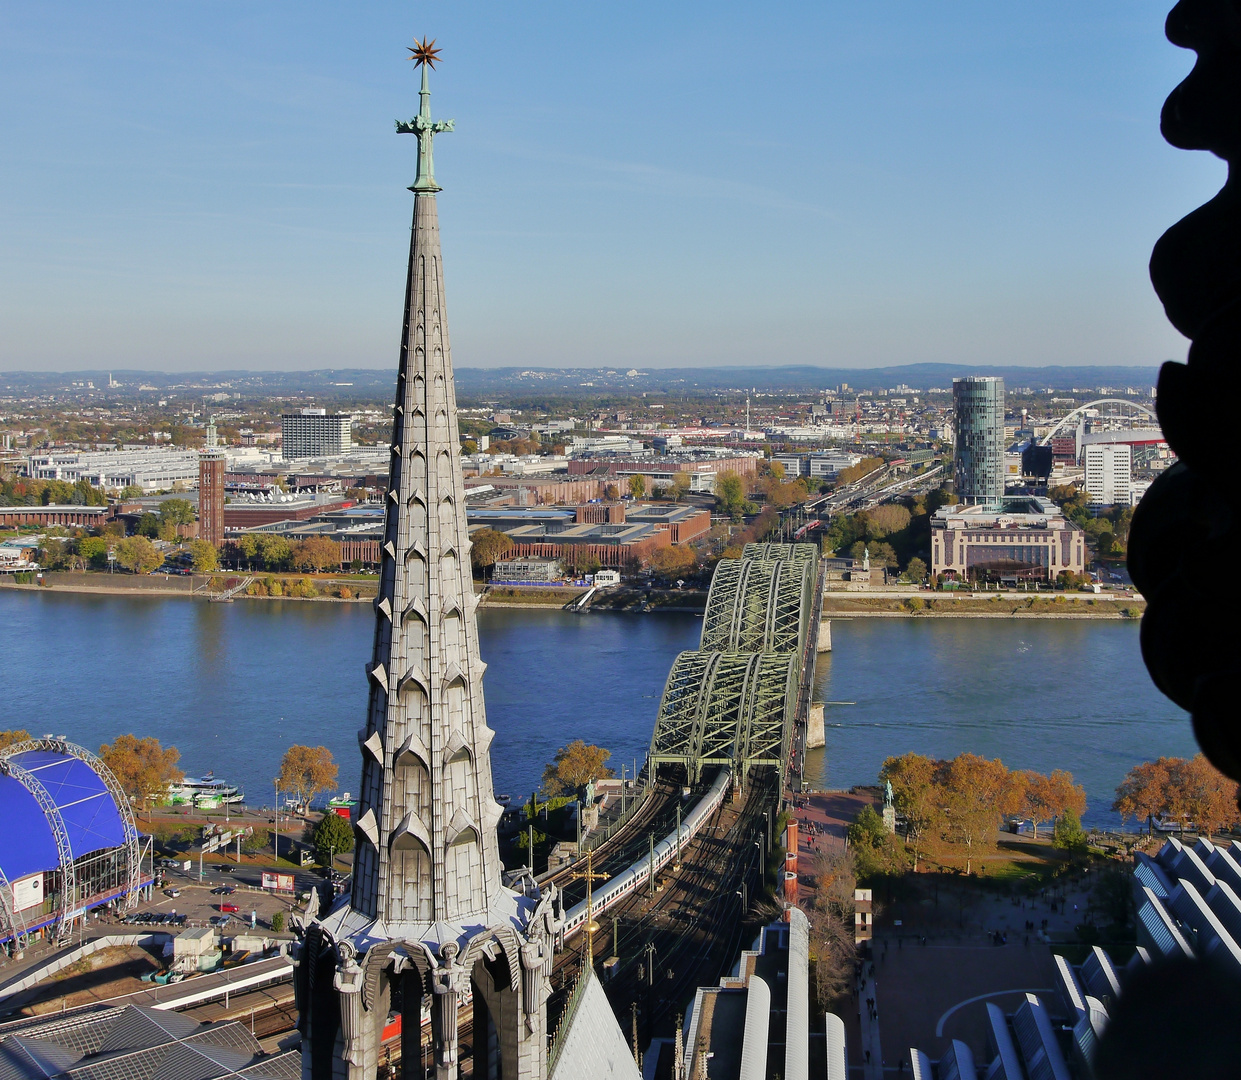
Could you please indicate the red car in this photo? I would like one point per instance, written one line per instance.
(229, 907)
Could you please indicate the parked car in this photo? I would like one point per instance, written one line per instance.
(229, 907)
(172, 892)
(219, 920)
(221, 890)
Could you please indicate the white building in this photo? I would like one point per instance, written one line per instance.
(149, 468)
(315, 433)
(1109, 474)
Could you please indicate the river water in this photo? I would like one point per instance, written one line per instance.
(233, 685)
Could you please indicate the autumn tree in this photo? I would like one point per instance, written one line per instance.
(138, 554)
(914, 794)
(674, 561)
(680, 485)
(830, 914)
(206, 559)
(1143, 794)
(317, 553)
(1047, 797)
(307, 771)
(1200, 793)
(637, 485)
(730, 494)
(974, 794)
(12, 738)
(488, 547)
(142, 767)
(574, 766)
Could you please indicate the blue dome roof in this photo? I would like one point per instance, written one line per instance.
(92, 820)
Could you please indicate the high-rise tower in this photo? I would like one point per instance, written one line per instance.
(978, 461)
(427, 903)
(211, 464)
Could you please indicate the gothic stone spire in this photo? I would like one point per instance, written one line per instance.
(426, 817)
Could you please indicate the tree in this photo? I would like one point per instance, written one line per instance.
(888, 518)
(730, 494)
(914, 794)
(176, 512)
(93, 550)
(1046, 797)
(205, 556)
(138, 554)
(12, 738)
(148, 526)
(974, 791)
(915, 570)
(1202, 794)
(332, 836)
(248, 547)
(142, 767)
(1143, 794)
(1068, 835)
(574, 766)
(637, 485)
(55, 554)
(674, 561)
(275, 551)
(873, 849)
(307, 771)
(680, 485)
(489, 546)
(317, 553)
(831, 914)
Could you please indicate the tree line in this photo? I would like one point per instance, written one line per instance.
(1189, 791)
(963, 801)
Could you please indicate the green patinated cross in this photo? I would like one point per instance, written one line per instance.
(426, 129)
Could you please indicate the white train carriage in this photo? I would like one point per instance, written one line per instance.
(665, 851)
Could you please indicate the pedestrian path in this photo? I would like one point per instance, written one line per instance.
(868, 1014)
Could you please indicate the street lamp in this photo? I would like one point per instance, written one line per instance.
(276, 838)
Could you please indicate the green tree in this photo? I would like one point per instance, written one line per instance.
(637, 485)
(277, 922)
(333, 833)
(574, 766)
(138, 554)
(730, 494)
(56, 554)
(1068, 834)
(275, 551)
(176, 512)
(680, 485)
(93, 550)
(205, 556)
(148, 525)
(915, 570)
(248, 548)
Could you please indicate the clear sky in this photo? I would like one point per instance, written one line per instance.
(219, 185)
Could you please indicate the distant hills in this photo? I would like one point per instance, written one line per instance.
(378, 383)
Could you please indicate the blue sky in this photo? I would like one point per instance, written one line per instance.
(198, 186)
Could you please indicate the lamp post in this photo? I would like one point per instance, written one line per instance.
(276, 839)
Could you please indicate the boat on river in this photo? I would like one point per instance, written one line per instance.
(204, 792)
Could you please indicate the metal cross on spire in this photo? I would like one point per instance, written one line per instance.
(424, 54)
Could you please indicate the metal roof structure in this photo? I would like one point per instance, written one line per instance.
(60, 803)
(137, 1043)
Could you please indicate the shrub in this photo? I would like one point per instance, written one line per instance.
(346, 593)
(277, 922)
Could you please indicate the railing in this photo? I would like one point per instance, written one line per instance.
(566, 1017)
(600, 837)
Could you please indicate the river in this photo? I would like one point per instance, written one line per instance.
(232, 685)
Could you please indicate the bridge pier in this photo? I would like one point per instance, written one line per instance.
(815, 735)
(824, 643)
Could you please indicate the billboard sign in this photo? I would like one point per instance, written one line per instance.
(279, 882)
(28, 892)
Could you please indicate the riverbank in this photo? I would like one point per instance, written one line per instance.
(983, 606)
(192, 586)
(688, 601)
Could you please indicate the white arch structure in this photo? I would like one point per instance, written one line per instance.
(1046, 440)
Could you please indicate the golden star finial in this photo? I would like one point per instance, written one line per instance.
(424, 52)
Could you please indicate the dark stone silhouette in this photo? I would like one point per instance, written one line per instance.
(1191, 634)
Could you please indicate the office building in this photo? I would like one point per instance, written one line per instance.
(1014, 539)
(1109, 474)
(146, 467)
(313, 433)
(978, 462)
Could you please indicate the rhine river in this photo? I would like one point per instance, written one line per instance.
(233, 685)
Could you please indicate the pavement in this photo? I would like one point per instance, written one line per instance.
(823, 817)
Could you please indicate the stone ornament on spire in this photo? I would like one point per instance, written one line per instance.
(424, 54)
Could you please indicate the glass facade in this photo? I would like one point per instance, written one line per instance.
(978, 463)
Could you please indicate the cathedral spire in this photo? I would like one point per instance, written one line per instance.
(428, 851)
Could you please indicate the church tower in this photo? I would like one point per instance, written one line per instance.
(428, 914)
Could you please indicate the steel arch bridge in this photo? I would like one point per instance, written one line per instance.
(762, 601)
(734, 709)
(1046, 439)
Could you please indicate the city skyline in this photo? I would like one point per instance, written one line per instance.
(195, 190)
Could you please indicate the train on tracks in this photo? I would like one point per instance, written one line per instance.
(624, 883)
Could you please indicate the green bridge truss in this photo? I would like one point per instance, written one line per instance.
(734, 709)
(734, 700)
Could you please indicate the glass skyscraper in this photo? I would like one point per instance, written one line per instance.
(978, 463)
